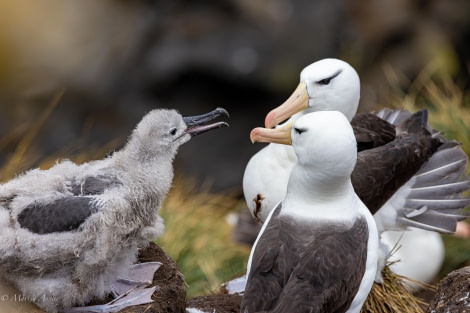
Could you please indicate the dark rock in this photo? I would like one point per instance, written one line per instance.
(453, 293)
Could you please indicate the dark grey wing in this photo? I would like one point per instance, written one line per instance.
(439, 193)
(330, 271)
(381, 171)
(94, 185)
(63, 214)
(311, 269)
(266, 277)
(69, 212)
(371, 131)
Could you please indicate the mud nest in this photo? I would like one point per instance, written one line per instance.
(170, 297)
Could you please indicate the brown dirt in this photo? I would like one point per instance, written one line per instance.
(219, 303)
(171, 295)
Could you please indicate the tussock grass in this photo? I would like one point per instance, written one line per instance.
(26, 157)
(457, 254)
(20, 160)
(448, 104)
(199, 237)
(392, 296)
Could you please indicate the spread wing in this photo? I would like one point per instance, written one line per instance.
(381, 171)
(419, 179)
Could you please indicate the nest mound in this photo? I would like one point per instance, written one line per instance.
(170, 297)
(220, 303)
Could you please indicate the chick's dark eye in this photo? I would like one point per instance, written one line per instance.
(173, 131)
(325, 81)
(299, 130)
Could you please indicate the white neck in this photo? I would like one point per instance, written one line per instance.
(281, 152)
(320, 197)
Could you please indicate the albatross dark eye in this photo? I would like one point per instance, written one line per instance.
(325, 81)
(173, 131)
(299, 130)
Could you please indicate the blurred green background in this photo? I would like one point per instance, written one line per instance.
(77, 75)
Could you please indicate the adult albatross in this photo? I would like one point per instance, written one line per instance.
(332, 84)
(71, 233)
(317, 250)
(430, 198)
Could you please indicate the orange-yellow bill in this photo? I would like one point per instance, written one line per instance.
(297, 102)
(279, 135)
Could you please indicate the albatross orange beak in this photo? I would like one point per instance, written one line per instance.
(297, 102)
(279, 135)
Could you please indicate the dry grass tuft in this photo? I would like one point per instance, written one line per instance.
(393, 297)
(26, 157)
(447, 102)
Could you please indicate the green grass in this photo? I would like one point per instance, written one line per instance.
(199, 238)
(457, 254)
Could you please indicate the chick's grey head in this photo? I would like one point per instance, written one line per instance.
(159, 130)
(162, 131)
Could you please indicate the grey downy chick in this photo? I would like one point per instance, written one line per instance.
(69, 232)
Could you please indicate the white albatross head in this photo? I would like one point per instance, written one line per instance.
(320, 185)
(325, 140)
(326, 85)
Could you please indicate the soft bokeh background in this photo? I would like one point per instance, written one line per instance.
(77, 75)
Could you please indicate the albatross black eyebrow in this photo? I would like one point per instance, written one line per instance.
(299, 130)
(326, 81)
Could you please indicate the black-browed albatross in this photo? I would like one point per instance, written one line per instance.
(71, 233)
(430, 199)
(317, 250)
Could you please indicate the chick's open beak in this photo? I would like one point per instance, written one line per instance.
(196, 124)
(295, 103)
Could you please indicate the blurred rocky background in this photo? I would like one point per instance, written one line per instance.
(83, 72)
